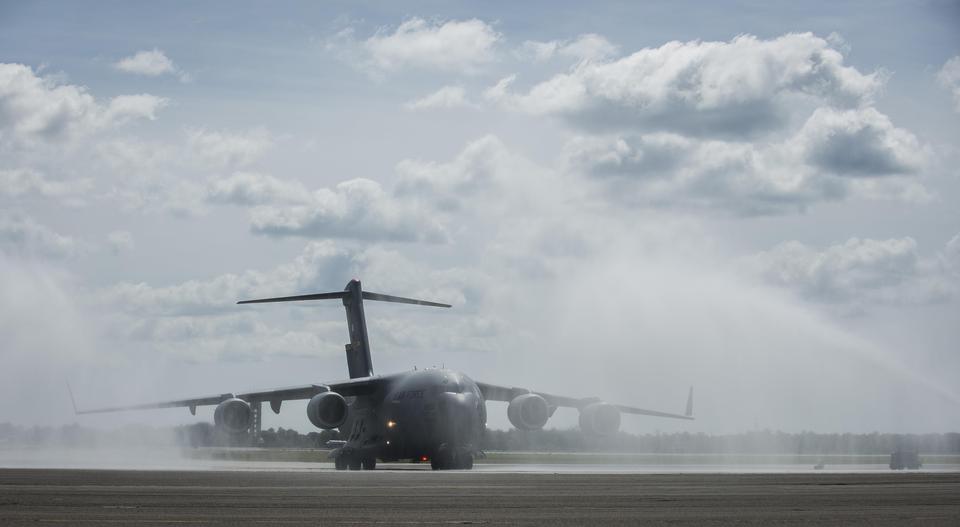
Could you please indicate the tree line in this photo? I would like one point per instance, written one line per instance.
(550, 440)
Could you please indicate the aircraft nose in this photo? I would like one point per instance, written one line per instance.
(458, 410)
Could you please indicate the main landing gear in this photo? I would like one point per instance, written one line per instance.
(450, 459)
(354, 461)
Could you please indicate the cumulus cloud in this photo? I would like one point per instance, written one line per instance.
(444, 98)
(474, 170)
(151, 63)
(199, 319)
(249, 188)
(34, 108)
(23, 182)
(861, 272)
(949, 77)
(23, 237)
(224, 149)
(320, 266)
(721, 89)
(419, 204)
(589, 46)
(181, 178)
(461, 46)
(358, 208)
(309, 271)
(836, 155)
(861, 142)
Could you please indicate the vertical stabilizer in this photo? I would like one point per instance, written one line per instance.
(359, 363)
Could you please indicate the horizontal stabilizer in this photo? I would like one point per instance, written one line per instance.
(316, 296)
(367, 295)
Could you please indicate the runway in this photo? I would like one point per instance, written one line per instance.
(404, 497)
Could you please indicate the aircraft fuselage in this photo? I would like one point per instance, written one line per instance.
(434, 414)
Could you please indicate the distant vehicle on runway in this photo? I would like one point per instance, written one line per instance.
(905, 458)
(433, 414)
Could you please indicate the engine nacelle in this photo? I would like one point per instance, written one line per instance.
(327, 410)
(600, 419)
(528, 412)
(233, 415)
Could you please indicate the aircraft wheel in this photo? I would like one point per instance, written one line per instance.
(455, 460)
(440, 460)
(369, 463)
(340, 462)
(462, 460)
(354, 463)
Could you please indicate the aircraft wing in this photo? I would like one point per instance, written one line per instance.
(352, 387)
(493, 392)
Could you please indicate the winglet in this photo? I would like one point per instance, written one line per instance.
(72, 400)
(689, 412)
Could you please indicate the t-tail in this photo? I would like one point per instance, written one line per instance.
(359, 362)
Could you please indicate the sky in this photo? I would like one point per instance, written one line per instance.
(621, 199)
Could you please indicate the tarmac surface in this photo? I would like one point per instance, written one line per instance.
(404, 497)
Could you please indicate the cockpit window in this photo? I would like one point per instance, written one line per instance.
(452, 386)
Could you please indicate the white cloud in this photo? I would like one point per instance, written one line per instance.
(23, 237)
(589, 46)
(223, 149)
(424, 198)
(181, 178)
(357, 208)
(22, 182)
(460, 46)
(861, 142)
(125, 108)
(248, 188)
(153, 176)
(860, 272)
(722, 89)
(311, 270)
(949, 77)
(320, 266)
(478, 169)
(198, 320)
(151, 63)
(836, 155)
(34, 109)
(444, 98)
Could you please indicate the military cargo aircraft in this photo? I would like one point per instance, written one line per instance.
(435, 415)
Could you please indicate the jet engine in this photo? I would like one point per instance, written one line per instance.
(327, 410)
(233, 415)
(528, 412)
(600, 419)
